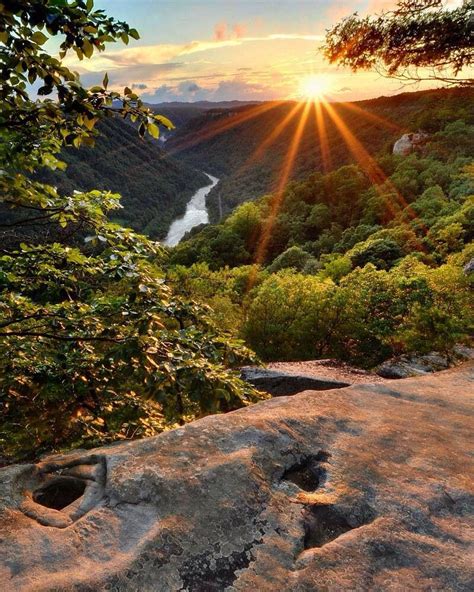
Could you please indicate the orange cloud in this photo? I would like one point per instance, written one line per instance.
(220, 31)
(239, 30)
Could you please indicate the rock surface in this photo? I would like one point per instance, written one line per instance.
(406, 365)
(409, 143)
(280, 384)
(356, 489)
(329, 368)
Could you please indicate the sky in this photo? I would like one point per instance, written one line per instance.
(218, 50)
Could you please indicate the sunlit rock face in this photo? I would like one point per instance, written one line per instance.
(361, 488)
(409, 143)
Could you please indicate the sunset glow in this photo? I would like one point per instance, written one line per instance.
(314, 87)
(248, 51)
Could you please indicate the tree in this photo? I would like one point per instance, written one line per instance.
(381, 252)
(417, 34)
(289, 317)
(94, 345)
(295, 257)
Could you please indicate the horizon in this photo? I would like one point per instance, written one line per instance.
(234, 50)
(304, 100)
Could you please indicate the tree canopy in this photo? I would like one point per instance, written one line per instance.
(94, 345)
(420, 39)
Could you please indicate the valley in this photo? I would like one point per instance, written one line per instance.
(236, 277)
(247, 147)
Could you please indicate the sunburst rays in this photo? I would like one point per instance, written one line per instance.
(325, 116)
(368, 164)
(271, 138)
(223, 124)
(282, 182)
(320, 124)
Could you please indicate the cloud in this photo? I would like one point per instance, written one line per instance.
(162, 93)
(167, 55)
(239, 30)
(228, 90)
(139, 86)
(220, 31)
(223, 31)
(225, 90)
(186, 91)
(189, 87)
(123, 76)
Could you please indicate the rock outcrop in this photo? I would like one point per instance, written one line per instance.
(280, 384)
(409, 143)
(356, 489)
(408, 365)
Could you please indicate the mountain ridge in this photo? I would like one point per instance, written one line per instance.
(374, 123)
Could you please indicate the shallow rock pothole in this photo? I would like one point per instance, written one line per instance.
(324, 523)
(60, 492)
(308, 474)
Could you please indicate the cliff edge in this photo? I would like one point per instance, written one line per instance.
(362, 488)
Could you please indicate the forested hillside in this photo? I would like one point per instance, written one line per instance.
(247, 147)
(181, 113)
(342, 265)
(154, 186)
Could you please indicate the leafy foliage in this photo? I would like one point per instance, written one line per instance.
(417, 34)
(354, 271)
(94, 345)
(228, 144)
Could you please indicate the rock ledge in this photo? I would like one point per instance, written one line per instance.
(355, 489)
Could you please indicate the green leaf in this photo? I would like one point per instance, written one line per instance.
(87, 48)
(89, 5)
(165, 121)
(105, 82)
(90, 123)
(153, 130)
(3, 36)
(134, 34)
(39, 38)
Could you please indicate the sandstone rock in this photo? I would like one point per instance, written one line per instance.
(406, 365)
(417, 365)
(281, 384)
(469, 267)
(409, 143)
(355, 489)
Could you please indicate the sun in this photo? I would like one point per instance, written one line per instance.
(313, 87)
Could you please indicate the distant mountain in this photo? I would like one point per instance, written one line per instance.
(243, 148)
(155, 187)
(182, 113)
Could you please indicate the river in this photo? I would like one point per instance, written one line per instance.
(196, 213)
